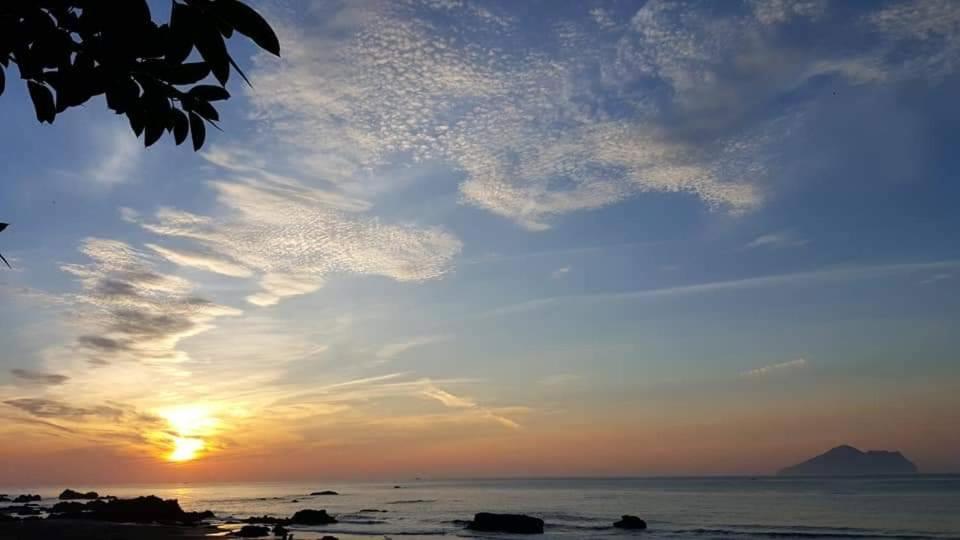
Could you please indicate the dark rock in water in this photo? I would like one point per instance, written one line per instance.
(26, 498)
(327, 492)
(252, 531)
(369, 511)
(849, 461)
(630, 522)
(510, 523)
(150, 509)
(295, 500)
(328, 537)
(4, 498)
(193, 517)
(280, 530)
(312, 517)
(397, 487)
(70, 506)
(69, 495)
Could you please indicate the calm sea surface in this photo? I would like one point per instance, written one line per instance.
(922, 507)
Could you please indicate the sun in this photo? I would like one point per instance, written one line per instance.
(190, 426)
(185, 449)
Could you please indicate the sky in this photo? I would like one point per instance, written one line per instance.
(457, 239)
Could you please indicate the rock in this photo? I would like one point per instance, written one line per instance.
(252, 531)
(148, 509)
(70, 506)
(69, 495)
(369, 511)
(328, 537)
(193, 517)
(26, 498)
(327, 492)
(397, 487)
(312, 517)
(295, 500)
(4, 498)
(280, 530)
(510, 523)
(630, 522)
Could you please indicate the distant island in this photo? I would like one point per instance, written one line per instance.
(849, 461)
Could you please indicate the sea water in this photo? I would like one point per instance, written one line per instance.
(917, 507)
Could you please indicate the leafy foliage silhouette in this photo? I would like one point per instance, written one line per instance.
(69, 51)
(2, 258)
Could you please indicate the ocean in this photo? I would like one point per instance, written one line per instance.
(917, 507)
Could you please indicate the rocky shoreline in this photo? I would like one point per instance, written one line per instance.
(150, 517)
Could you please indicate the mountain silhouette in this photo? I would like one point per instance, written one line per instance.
(849, 461)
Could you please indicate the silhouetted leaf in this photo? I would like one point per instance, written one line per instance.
(121, 94)
(187, 73)
(68, 51)
(249, 23)
(209, 92)
(205, 110)
(42, 102)
(240, 71)
(180, 35)
(197, 130)
(3, 226)
(156, 117)
(2, 258)
(136, 120)
(181, 126)
(214, 52)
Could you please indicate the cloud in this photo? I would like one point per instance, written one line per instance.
(128, 310)
(103, 424)
(202, 261)
(830, 274)
(775, 240)
(776, 368)
(458, 402)
(448, 399)
(560, 272)
(402, 90)
(120, 157)
(291, 237)
(37, 377)
(48, 408)
(937, 278)
(392, 350)
(930, 27)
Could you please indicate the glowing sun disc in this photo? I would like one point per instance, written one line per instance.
(185, 449)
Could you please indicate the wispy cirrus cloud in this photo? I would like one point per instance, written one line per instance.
(828, 274)
(775, 240)
(38, 377)
(777, 368)
(128, 310)
(392, 350)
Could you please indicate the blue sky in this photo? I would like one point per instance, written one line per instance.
(520, 217)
